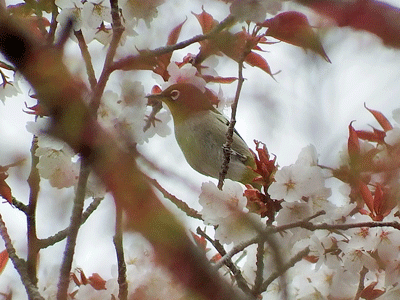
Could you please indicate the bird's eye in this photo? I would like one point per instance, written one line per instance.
(174, 94)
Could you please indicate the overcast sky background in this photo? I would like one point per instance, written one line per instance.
(311, 101)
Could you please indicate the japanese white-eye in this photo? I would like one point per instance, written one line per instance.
(200, 130)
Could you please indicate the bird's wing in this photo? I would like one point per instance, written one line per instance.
(224, 120)
(240, 150)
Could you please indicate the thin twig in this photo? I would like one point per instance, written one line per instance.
(229, 134)
(87, 58)
(118, 243)
(190, 212)
(62, 234)
(19, 264)
(241, 282)
(118, 30)
(361, 286)
(75, 223)
(299, 256)
(331, 227)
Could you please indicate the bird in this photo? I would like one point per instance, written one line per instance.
(200, 131)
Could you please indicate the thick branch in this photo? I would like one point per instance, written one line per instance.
(33, 181)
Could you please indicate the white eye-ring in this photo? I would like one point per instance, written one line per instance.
(174, 94)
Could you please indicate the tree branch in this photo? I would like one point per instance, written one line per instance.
(75, 224)
(19, 264)
(33, 182)
(119, 248)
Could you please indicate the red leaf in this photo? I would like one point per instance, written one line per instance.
(207, 22)
(366, 195)
(97, 282)
(163, 61)
(383, 203)
(156, 89)
(174, 35)
(370, 293)
(256, 60)
(218, 79)
(5, 190)
(378, 200)
(200, 241)
(377, 136)
(376, 17)
(292, 27)
(216, 258)
(3, 260)
(382, 120)
(353, 144)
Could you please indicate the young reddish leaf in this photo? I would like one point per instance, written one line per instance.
(311, 258)
(383, 203)
(215, 258)
(234, 45)
(156, 89)
(292, 27)
(382, 120)
(207, 22)
(97, 282)
(256, 60)
(3, 260)
(376, 135)
(370, 293)
(266, 166)
(163, 61)
(174, 35)
(353, 144)
(218, 79)
(200, 241)
(366, 195)
(378, 200)
(5, 190)
(255, 201)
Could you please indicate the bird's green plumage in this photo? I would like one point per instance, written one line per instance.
(200, 131)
